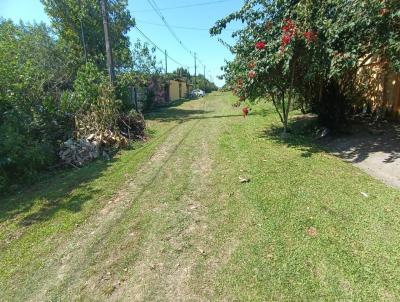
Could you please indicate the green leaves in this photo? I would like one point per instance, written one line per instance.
(324, 41)
(79, 24)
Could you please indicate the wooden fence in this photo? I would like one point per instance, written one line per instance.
(381, 88)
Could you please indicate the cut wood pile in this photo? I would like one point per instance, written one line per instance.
(77, 152)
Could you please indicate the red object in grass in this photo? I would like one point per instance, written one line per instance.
(245, 111)
(260, 45)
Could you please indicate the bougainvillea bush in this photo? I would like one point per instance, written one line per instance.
(310, 51)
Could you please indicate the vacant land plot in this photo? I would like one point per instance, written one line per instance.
(170, 220)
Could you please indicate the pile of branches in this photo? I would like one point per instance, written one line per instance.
(132, 125)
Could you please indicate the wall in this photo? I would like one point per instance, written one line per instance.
(177, 90)
(381, 88)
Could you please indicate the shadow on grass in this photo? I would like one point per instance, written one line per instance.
(181, 115)
(301, 135)
(355, 146)
(53, 194)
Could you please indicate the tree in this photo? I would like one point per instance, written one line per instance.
(80, 25)
(33, 71)
(144, 59)
(182, 72)
(309, 50)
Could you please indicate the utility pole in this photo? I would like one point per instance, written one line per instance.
(195, 69)
(166, 62)
(205, 80)
(82, 33)
(110, 64)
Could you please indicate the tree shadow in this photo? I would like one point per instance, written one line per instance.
(300, 135)
(53, 193)
(173, 113)
(181, 115)
(365, 140)
(361, 140)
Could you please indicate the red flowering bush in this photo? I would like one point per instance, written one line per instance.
(347, 34)
(260, 45)
(252, 74)
(310, 36)
(289, 31)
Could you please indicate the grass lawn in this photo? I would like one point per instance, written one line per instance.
(169, 220)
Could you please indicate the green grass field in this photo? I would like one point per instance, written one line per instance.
(170, 221)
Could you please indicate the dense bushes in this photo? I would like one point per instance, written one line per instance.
(31, 75)
(45, 100)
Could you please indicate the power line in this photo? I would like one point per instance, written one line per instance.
(158, 48)
(176, 26)
(156, 9)
(153, 4)
(183, 6)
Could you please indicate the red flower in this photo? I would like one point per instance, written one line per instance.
(260, 45)
(286, 40)
(310, 36)
(289, 28)
(252, 74)
(289, 31)
(252, 65)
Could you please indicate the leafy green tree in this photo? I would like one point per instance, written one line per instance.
(79, 25)
(32, 74)
(144, 59)
(182, 72)
(309, 50)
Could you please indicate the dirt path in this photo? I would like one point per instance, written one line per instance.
(146, 242)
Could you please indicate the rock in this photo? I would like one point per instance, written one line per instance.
(323, 132)
(243, 179)
(78, 152)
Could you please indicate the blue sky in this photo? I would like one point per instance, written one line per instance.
(208, 49)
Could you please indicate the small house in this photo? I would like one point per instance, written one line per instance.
(178, 89)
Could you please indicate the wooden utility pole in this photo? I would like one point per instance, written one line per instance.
(195, 69)
(110, 63)
(166, 62)
(205, 80)
(82, 32)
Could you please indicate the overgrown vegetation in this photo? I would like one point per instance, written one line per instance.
(54, 88)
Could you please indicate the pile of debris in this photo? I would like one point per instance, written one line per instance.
(132, 125)
(78, 152)
(93, 141)
(81, 151)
